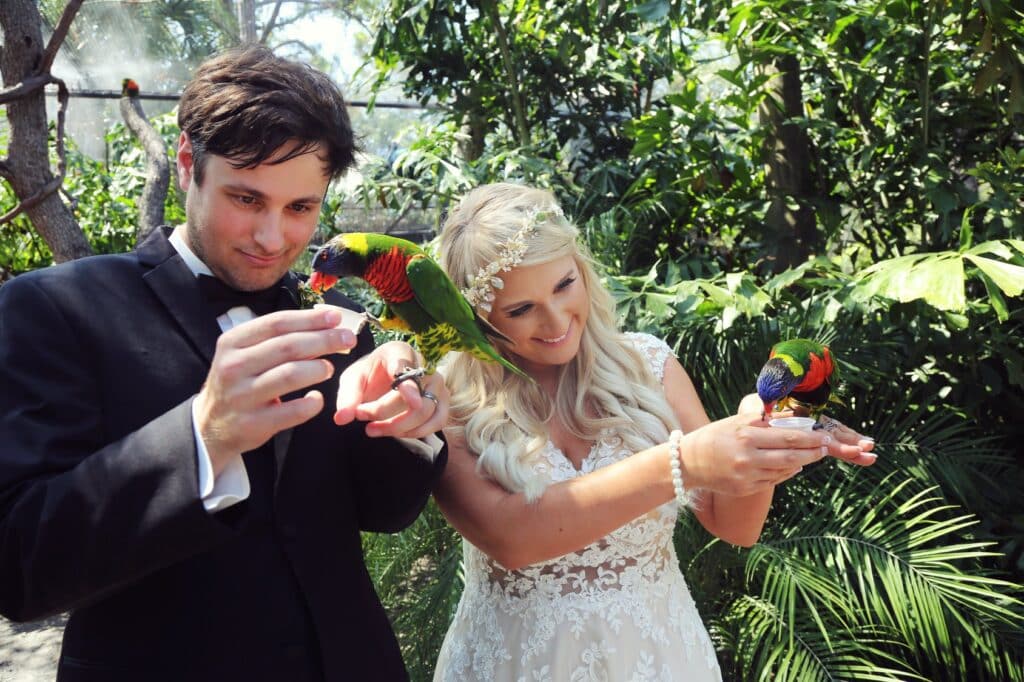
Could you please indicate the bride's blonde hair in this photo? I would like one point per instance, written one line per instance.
(607, 385)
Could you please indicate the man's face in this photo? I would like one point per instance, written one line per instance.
(250, 224)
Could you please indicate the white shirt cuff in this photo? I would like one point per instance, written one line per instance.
(427, 447)
(227, 489)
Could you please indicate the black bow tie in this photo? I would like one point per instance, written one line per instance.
(223, 298)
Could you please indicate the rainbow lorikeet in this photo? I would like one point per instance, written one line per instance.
(419, 298)
(129, 87)
(798, 371)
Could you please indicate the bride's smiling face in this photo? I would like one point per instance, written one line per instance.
(543, 309)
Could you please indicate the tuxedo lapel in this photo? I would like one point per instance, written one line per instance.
(176, 287)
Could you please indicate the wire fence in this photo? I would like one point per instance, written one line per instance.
(415, 224)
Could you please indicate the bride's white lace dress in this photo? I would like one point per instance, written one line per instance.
(618, 609)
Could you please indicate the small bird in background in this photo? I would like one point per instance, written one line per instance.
(800, 372)
(419, 298)
(129, 87)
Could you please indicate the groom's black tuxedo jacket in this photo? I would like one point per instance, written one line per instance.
(99, 509)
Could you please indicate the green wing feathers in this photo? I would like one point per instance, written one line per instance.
(457, 326)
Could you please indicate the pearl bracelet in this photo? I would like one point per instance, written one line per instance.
(682, 496)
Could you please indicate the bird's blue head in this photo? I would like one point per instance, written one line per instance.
(774, 383)
(333, 261)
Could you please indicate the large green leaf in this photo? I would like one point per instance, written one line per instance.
(1009, 277)
(938, 279)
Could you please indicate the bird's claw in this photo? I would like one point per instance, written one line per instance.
(374, 321)
(409, 373)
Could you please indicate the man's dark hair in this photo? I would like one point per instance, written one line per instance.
(245, 103)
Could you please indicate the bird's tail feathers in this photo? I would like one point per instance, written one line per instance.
(489, 353)
(512, 368)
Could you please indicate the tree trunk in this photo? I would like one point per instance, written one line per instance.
(791, 233)
(158, 173)
(515, 98)
(247, 21)
(29, 155)
(475, 126)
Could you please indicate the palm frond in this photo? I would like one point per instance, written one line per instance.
(895, 559)
(418, 576)
(772, 645)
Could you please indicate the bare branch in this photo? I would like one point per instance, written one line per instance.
(62, 161)
(23, 88)
(270, 24)
(400, 218)
(46, 190)
(299, 43)
(62, 107)
(308, 7)
(71, 199)
(58, 35)
(154, 192)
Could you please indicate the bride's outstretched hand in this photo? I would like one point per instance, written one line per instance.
(742, 455)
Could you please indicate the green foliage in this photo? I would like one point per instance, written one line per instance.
(102, 197)
(875, 573)
(648, 126)
(176, 35)
(419, 578)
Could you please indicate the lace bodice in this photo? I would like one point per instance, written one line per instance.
(618, 609)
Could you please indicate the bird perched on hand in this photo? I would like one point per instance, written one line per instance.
(798, 371)
(419, 298)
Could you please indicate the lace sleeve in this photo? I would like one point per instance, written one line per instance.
(654, 349)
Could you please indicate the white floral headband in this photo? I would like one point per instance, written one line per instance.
(480, 289)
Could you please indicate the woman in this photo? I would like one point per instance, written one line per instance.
(566, 488)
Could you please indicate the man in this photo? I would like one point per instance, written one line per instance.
(170, 471)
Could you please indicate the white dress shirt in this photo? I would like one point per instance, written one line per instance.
(232, 484)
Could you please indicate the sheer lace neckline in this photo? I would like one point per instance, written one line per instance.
(559, 452)
(601, 453)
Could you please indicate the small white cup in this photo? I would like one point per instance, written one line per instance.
(799, 423)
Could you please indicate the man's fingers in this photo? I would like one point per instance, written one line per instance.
(240, 365)
(289, 377)
(290, 413)
(277, 324)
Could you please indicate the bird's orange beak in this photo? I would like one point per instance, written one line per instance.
(319, 282)
(767, 412)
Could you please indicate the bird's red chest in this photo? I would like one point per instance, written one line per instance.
(820, 370)
(386, 273)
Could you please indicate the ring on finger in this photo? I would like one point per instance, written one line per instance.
(430, 396)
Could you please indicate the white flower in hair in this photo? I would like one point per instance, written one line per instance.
(480, 287)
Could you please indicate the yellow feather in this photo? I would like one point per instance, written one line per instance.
(356, 241)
